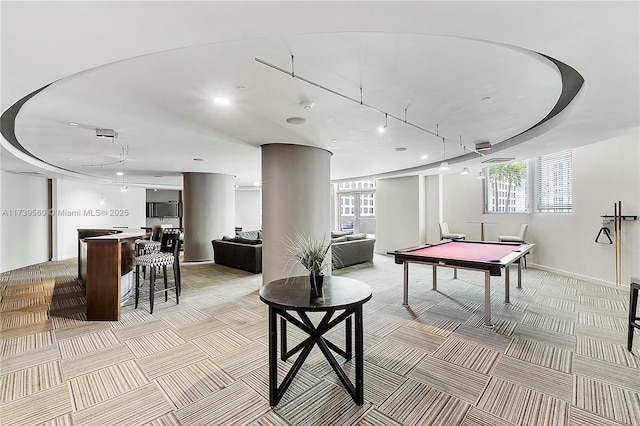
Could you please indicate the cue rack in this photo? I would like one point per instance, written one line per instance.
(617, 234)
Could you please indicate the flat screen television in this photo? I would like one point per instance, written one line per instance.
(167, 209)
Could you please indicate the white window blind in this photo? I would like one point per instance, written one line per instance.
(553, 182)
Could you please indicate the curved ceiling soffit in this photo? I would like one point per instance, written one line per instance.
(571, 81)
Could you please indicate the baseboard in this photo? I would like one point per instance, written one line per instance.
(573, 275)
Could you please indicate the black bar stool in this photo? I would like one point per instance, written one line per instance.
(167, 256)
(634, 321)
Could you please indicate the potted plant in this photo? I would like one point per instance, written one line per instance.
(312, 254)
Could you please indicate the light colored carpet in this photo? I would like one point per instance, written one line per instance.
(556, 355)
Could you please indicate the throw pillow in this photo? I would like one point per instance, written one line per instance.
(337, 234)
(227, 238)
(250, 235)
(356, 237)
(339, 239)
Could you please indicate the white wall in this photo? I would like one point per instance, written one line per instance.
(77, 205)
(400, 213)
(248, 209)
(24, 238)
(603, 173)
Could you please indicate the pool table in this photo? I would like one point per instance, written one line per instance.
(489, 257)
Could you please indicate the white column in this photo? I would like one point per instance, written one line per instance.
(209, 212)
(295, 199)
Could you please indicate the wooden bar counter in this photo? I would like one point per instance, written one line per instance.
(108, 258)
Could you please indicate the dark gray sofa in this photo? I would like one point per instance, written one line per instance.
(348, 249)
(244, 251)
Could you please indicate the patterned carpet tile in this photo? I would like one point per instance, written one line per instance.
(236, 404)
(153, 343)
(612, 402)
(540, 354)
(461, 383)
(523, 406)
(98, 386)
(22, 344)
(376, 418)
(38, 407)
(418, 338)
(86, 363)
(87, 343)
(499, 325)
(579, 417)
(24, 360)
(139, 329)
(200, 328)
(184, 318)
(323, 404)
(483, 336)
(415, 403)
(549, 323)
(220, 342)
(603, 321)
(477, 417)
(614, 374)
(156, 365)
(239, 362)
(30, 380)
(606, 352)
(138, 406)
(555, 383)
(81, 329)
(258, 380)
(467, 355)
(546, 337)
(395, 356)
(194, 382)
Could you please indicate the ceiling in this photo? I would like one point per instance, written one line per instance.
(442, 76)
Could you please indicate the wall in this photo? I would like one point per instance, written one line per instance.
(248, 209)
(162, 195)
(24, 238)
(400, 213)
(603, 173)
(77, 205)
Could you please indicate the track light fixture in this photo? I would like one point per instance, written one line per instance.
(381, 129)
(465, 169)
(480, 175)
(444, 165)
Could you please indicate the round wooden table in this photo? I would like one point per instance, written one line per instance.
(294, 294)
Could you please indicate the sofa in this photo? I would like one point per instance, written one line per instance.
(244, 251)
(349, 249)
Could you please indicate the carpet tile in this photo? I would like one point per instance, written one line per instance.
(556, 355)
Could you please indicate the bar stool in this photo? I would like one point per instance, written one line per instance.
(634, 321)
(167, 256)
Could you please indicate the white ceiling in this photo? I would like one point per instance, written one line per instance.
(464, 71)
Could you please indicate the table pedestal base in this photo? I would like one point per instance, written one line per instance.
(315, 338)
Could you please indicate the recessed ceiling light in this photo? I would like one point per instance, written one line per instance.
(158, 176)
(120, 173)
(241, 88)
(296, 120)
(400, 149)
(198, 159)
(221, 101)
(256, 183)
(334, 140)
(424, 156)
(71, 123)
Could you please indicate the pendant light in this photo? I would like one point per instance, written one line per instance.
(465, 169)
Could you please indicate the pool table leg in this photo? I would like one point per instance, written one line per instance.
(487, 299)
(520, 272)
(434, 283)
(507, 275)
(405, 295)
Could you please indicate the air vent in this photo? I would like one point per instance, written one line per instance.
(498, 160)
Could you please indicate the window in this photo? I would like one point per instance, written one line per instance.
(553, 183)
(357, 203)
(506, 188)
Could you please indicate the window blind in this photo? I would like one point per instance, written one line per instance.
(553, 182)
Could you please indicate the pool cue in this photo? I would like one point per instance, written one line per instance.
(619, 242)
(615, 235)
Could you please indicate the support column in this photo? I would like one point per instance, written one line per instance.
(209, 212)
(295, 199)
